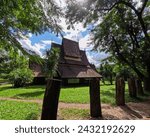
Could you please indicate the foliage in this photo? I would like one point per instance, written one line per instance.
(14, 66)
(14, 110)
(20, 77)
(123, 71)
(121, 28)
(117, 40)
(21, 17)
(50, 65)
(106, 70)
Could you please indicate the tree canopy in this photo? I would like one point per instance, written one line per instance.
(121, 27)
(21, 17)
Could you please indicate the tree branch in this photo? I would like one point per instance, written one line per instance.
(143, 7)
(122, 58)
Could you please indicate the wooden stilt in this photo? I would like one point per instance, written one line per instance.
(50, 101)
(120, 91)
(95, 104)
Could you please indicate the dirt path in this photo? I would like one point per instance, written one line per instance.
(130, 111)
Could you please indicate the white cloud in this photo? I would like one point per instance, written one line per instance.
(73, 34)
(47, 42)
(26, 43)
(85, 43)
(37, 47)
(96, 57)
(30, 35)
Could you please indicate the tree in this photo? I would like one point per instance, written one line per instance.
(50, 65)
(21, 17)
(106, 70)
(14, 67)
(124, 40)
(20, 77)
(123, 71)
(122, 31)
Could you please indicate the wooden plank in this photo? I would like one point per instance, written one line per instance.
(50, 101)
(120, 92)
(95, 103)
(132, 87)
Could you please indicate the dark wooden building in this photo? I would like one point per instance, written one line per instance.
(74, 67)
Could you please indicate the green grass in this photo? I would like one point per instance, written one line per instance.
(68, 95)
(3, 80)
(75, 95)
(74, 114)
(31, 92)
(15, 110)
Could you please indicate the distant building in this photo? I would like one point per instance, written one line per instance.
(73, 68)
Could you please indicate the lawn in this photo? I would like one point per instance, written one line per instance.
(68, 95)
(15, 110)
(75, 114)
(30, 92)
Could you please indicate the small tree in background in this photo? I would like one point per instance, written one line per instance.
(50, 64)
(106, 70)
(14, 67)
(122, 71)
(20, 77)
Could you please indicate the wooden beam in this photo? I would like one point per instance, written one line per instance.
(50, 101)
(120, 91)
(95, 103)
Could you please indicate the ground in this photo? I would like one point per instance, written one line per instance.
(131, 110)
(26, 103)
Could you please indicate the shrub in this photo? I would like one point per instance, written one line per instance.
(20, 77)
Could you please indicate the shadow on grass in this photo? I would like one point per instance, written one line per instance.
(139, 98)
(35, 87)
(28, 95)
(107, 84)
(5, 88)
(26, 87)
(32, 116)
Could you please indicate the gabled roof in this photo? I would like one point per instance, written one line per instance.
(77, 71)
(71, 48)
(73, 62)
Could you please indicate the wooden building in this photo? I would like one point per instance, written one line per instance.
(74, 67)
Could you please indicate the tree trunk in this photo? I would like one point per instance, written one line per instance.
(147, 84)
(111, 80)
(139, 87)
(132, 87)
(120, 92)
(95, 103)
(50, 101)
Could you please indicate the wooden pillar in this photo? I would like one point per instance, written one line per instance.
(132, 87)
(139, 87)
(95, 104)
(50, 101)
(120, 91)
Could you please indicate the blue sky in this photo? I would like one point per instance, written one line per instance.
(39, 43)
